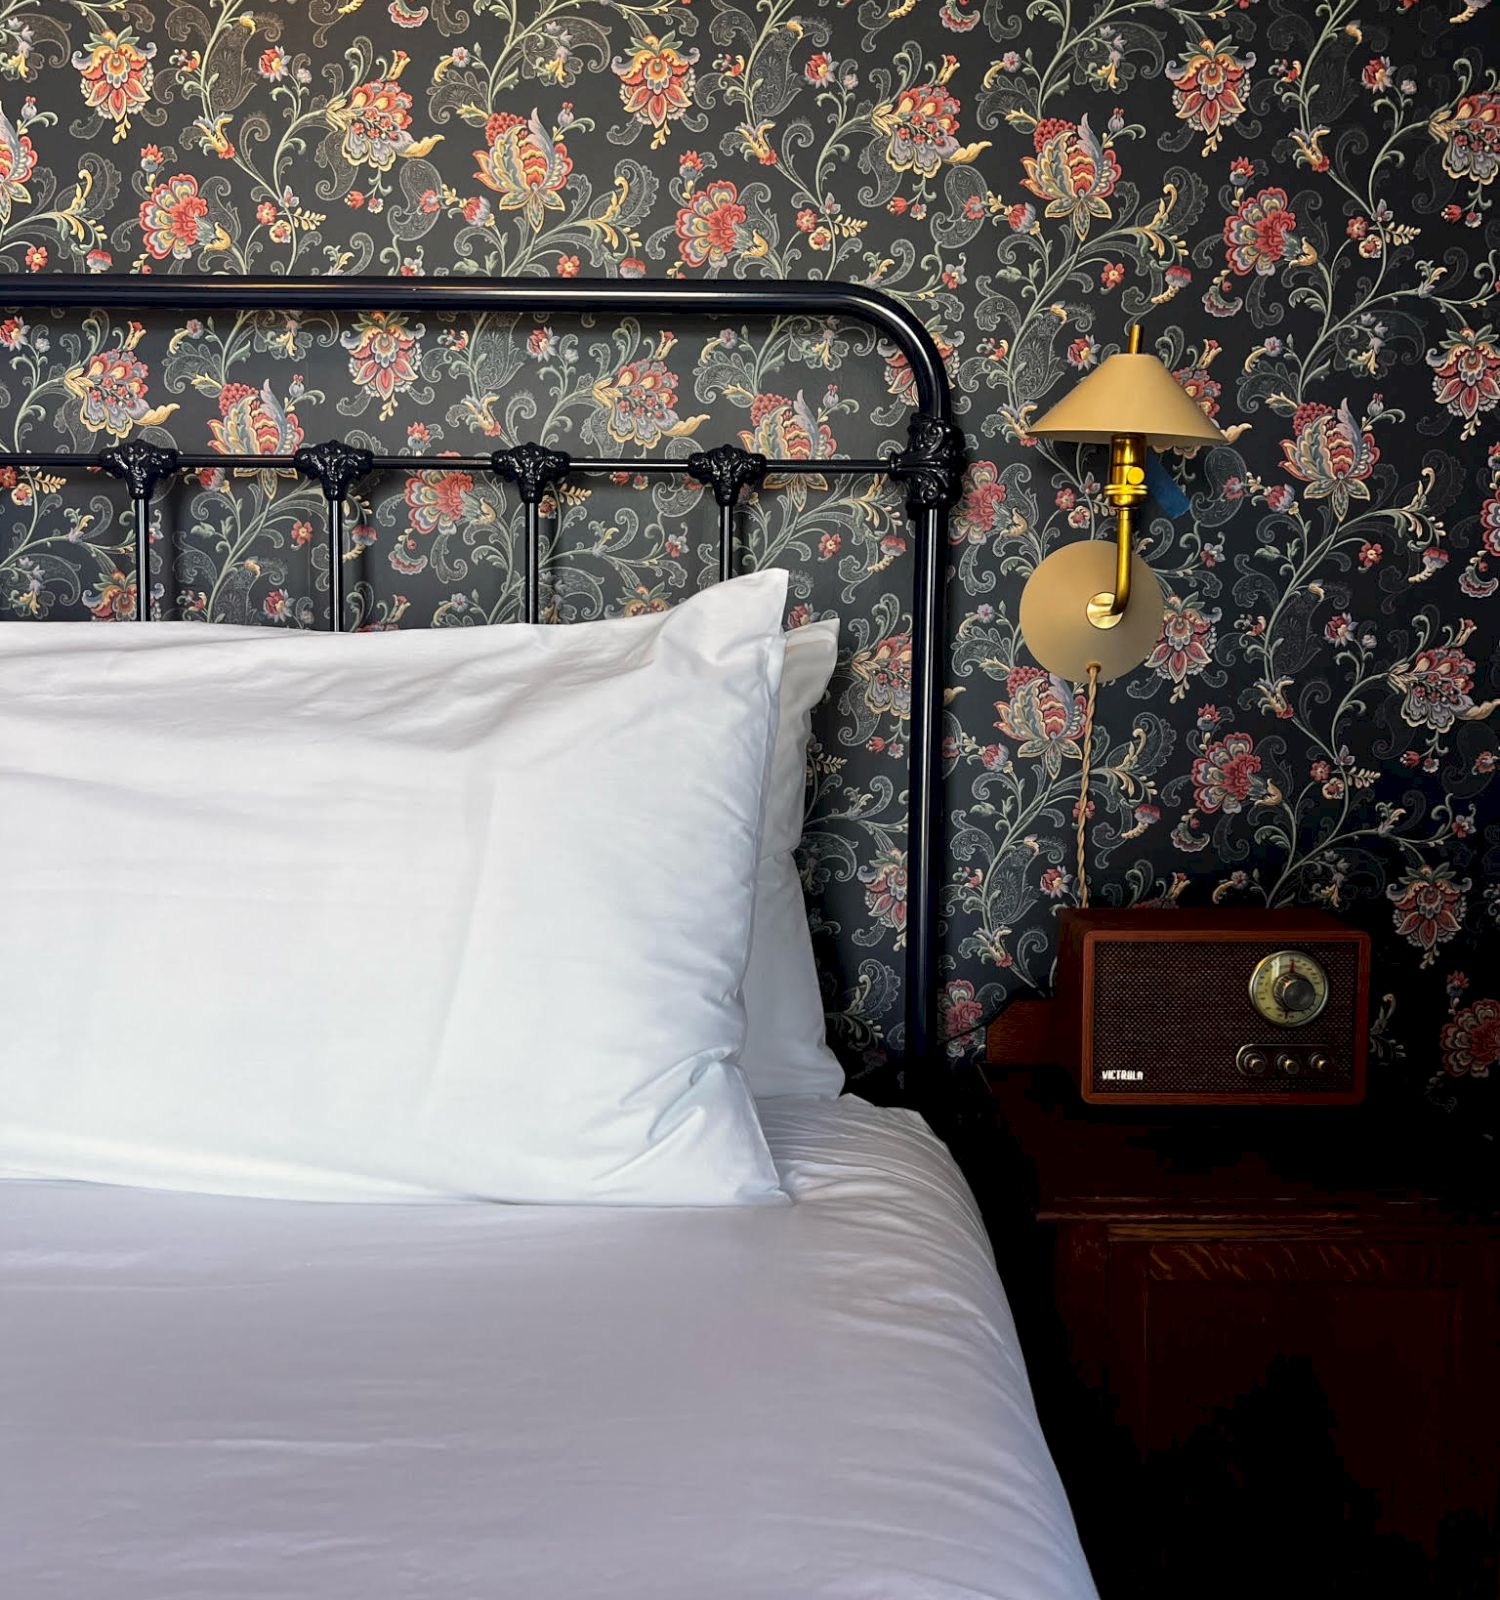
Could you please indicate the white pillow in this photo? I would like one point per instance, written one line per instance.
(785, 1047)
(392, 915)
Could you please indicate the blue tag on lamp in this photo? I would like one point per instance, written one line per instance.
(1163, 487)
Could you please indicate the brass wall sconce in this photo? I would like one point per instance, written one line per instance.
(1087, 610)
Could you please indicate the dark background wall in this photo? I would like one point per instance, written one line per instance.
(1296, 200)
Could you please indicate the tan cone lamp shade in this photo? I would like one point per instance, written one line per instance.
(1089, 604)
(1132, 392)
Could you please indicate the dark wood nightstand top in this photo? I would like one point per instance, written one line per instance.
(1240, 1163)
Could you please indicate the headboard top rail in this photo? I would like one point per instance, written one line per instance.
(676, 297)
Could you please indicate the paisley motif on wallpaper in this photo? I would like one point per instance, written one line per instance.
(1297, 198)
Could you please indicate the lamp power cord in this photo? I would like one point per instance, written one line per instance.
(1083, 785)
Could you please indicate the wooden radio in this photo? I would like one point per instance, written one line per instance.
(1214, 1007)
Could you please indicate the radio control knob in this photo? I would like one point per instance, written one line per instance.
(1253, 1064)
(1294, 993)
(1320, 1062)
(1288, 1064)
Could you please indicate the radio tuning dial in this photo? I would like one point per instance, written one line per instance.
(1288, 988)
(1294, 993)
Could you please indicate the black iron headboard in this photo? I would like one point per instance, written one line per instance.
(929, 469)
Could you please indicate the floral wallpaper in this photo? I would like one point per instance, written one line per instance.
(1296, 199)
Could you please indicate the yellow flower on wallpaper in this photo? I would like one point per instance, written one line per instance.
(640, 404)
(1211, 83)
(1470, 135)
(524, 164)
(656, 82)
(1073, 171)
(375, 119)
(17, 163)
(921, 124)
(116, 76)
(111, 384)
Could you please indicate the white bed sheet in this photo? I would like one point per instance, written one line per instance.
(215, 1399)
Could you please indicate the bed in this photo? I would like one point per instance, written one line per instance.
(208, 1397)
(205, 1395)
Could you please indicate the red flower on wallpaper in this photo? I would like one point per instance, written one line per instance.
(640, 404)
(1470, 135)
(524, 164)
(899, 381)
(174, 219)
(1186, 645)
(1197, 381)
(1489, 522)
(885, 671)
(436, 501)
(1072, 170)
(644, 603)
(982, 512)
(112, 599)
(711, 226)
(383, 352)
(111, 388)
(1331, 453)
(885, 890)
(115, 75)
(1211, 82)
(1227, 776)
(17, 163)
(376, 123)
(786, 429)
(921, 129)
(656, 82)
(1428, 907)
(1042, 715)
(1261, 234)
(962, 1012)
(1466, 375)
(251, 422)
(1471, 1042)
(1437, 685)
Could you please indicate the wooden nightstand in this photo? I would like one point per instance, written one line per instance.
(1265, 1363)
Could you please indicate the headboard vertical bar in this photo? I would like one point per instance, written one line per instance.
(532, 604)
(726, 543)
(336, 563)
(924, 790)
(337, 467)
(140, 466)
(931, 470)
(727, 470)
(140, 507)
(536, 471)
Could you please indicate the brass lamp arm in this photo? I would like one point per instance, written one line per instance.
(1125, 491)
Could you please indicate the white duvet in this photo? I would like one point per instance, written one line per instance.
(215, 1399)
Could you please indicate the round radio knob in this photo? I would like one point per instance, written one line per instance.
(1294, 993)
(1253, 1064)
(1319, 1062)
(1288, 1064)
